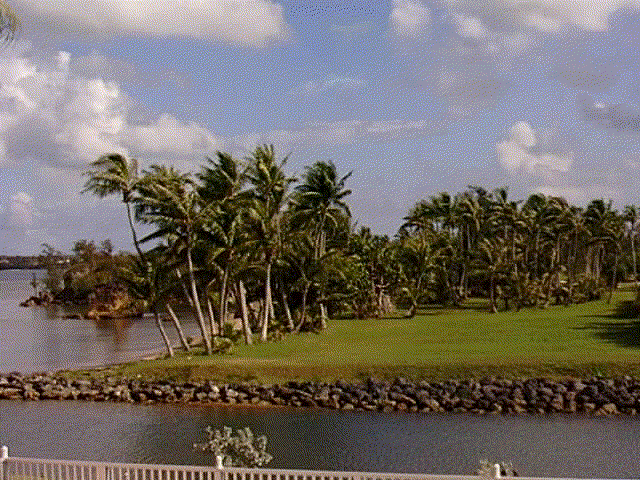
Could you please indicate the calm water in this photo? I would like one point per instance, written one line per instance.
(446, 444)
(36, 339)
(39, 339)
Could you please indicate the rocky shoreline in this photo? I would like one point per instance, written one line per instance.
(596, 396)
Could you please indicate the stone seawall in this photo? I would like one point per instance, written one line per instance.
(598, 396)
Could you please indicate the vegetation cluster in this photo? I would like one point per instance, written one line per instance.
(243, 239)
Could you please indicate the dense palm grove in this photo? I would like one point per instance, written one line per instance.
(242, 239)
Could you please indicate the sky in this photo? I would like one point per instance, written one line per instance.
(415, 97)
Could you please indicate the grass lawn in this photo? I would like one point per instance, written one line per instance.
(582, 340)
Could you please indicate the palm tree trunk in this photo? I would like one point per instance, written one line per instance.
(633, 253)
(223, 299)
(267, 303)
(303, 315)
(285, 306)
(246, 328)
(196, 301)
(537, 264)
(463, 274)
(320, 251)
(133, 233)
(162, 332)
(213, 327)
(615, 277)
(492, 295)
(272, 313)
(176, 323)
(184, 288)
(412, 309)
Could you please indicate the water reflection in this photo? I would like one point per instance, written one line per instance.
(41, 338)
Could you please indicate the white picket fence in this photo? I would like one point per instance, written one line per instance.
(17, 468)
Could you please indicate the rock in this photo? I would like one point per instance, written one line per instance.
(10, 393)
(608, 409)
(557, 403)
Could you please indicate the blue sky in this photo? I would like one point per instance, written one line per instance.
(414, 96)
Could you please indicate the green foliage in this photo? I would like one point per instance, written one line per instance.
(487, 469)
(241, 449)
(230, 333)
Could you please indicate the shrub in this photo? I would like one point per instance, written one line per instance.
(239, 450)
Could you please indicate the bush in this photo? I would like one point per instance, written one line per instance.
(239, 450)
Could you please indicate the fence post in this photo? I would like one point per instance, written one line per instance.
(4, 456)
(219, 467)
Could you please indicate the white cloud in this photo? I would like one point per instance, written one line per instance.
(255, 23)
(339, 133)
(470, 27)
(21, 210)
(169, 135)
(409, 18)
(354, 29)
(333, 83)
(51, 117)
(547, 16)
(517, 154)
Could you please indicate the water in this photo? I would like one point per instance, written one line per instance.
(558, 445)
(40, 339)
(35, 339)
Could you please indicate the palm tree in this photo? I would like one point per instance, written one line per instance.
(149, 284)
(597, 215)
(168, 199)
(469, 214)
(115, 174)
(632, 226)
(269, 196)
(318, 202)
(225, 233)
(221, 183)
(493, 261)
(418, 260)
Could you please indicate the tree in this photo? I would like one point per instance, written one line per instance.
(116, 174)
(318, 201)
(493, 261)
(269, 195)
(149, 283)
(221, 184)
(168, 199)
(632, 227)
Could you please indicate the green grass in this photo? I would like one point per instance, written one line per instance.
(587, 339)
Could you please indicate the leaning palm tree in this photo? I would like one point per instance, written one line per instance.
(149, 284)
(319, 201)
(168, 199)
(115, 174)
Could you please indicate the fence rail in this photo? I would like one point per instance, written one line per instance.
(17, 468)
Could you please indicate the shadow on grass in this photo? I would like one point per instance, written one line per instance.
(623, 329)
